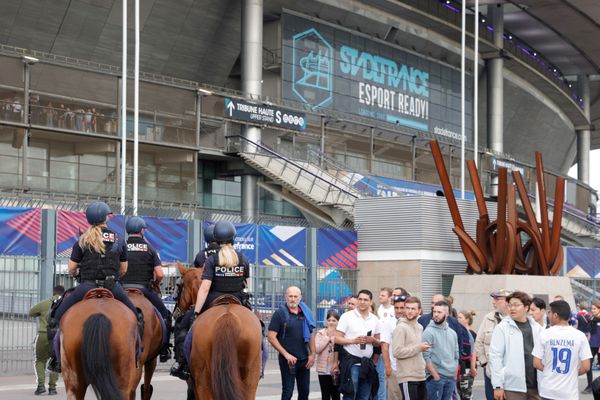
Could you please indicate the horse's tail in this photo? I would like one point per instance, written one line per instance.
(95, 352)
(226, 381)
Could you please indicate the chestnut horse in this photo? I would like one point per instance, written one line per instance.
(151, 341)
(225, 359)
(98, 347)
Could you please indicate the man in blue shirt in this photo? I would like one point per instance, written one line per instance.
(290, 333)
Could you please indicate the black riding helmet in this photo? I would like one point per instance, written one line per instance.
(224, 232)
(135, 225)
(97, 212)
(209, 233)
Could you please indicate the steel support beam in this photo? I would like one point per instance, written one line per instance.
(252, 42)
(584, 135)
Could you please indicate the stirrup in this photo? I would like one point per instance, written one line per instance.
(53, 364)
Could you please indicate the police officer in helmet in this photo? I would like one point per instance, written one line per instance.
(99, 258)
(212, 247)
(225, 272)
(143, 270)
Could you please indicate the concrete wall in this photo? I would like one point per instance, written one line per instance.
(374, 275)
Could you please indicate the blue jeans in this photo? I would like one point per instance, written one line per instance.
(301, 375)
(489, 390)
(440, 390)
(382, 391)
(362, 387)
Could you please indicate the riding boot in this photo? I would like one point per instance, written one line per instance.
(53, 360)
(180, 367)
(140, 321)
(165, 351)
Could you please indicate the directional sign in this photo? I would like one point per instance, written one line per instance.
(263, 114)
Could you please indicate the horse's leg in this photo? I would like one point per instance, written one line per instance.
(149, 368)
(202, 382)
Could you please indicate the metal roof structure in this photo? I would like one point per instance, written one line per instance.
(199, 40)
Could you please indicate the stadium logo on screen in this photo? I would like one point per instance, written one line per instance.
(312, 68)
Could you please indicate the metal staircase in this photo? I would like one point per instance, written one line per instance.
(332, 196)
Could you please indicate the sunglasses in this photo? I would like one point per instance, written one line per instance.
(400, 298)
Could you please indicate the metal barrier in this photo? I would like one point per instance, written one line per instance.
(19, 291)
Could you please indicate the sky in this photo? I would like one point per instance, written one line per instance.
(594, 166)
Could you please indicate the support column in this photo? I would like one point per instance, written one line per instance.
(194, 239)
(584, 135)
(323, 122)
(495, 89)
(310, 295)
(252, 41)
(371, 149)
(47, 253)
(27, 62)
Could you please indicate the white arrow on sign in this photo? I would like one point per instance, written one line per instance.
(231, 107)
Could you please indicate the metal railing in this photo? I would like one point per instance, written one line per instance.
(236, 144)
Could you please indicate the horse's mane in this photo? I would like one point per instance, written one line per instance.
(191, 283)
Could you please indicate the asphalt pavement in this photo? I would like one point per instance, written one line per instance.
(167, 387)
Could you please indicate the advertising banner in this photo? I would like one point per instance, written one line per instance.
(330, 67)
(583, 262)
(337, 248)
(245, 240)
(388, 187)
(282, 245)
(71, 224)
(169, 237)
(20, 231)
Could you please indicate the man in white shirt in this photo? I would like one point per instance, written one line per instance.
(358, 331)
(562, 354)
(387, 329)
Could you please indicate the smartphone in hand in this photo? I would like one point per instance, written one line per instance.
(364, 346)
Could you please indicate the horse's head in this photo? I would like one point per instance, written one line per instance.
(191, 283)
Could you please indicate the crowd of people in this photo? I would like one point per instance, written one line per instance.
(526, 349)
(72, 116)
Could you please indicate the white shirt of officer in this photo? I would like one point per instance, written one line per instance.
(356, 324)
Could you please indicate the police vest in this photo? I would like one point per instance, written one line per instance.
(140, 268)
(228, 280)
(95, 266)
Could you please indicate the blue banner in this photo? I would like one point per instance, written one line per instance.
(388, 187)
(245, 240)
(583, 262)
(337, 248)
(281, 245)
(169, 237)
(71, 224)
(20, 231)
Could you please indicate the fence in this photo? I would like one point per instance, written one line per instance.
(19, 291)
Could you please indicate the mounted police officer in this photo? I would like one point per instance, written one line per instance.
(144, 270)
(98, 258)
(225, 272)
(212, 247)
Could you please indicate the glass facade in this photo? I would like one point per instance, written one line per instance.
(224, 193)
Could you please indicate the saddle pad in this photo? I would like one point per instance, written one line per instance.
(98, 293)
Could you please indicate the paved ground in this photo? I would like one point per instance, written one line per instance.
(167, 387)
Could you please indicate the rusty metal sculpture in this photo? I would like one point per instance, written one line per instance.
(508, 245)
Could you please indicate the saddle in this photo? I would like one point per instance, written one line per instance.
(98, 293)
(133, 290)
(225, 299)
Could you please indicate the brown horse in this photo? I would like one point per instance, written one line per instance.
(225, 359)
(151, 341)
(98, 347)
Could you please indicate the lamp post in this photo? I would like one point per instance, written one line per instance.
(28, 61)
